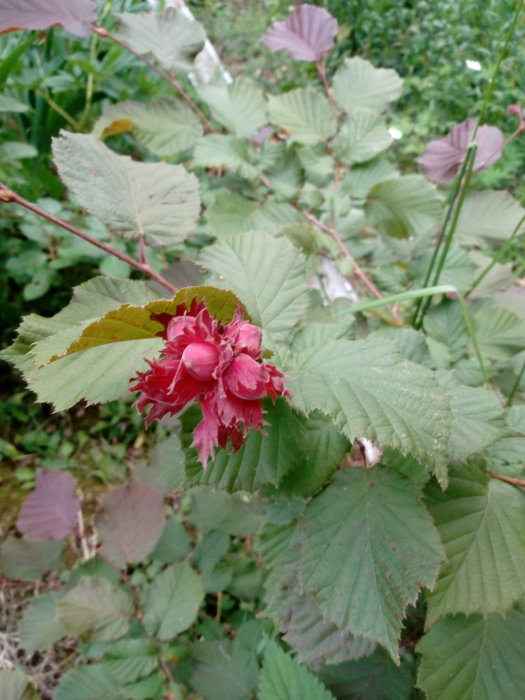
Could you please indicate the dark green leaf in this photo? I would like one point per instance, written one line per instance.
(480, 522)
(474, 658)
(368, 548)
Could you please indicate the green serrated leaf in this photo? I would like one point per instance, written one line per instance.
(225, 670)
(226, 151)
(105, 371)
(174, 543)
(477, 417)
(500, 333)
(305, 113)
(231, 213)
(141, 322)
(127, 660)
(171, 602)
(267, 274)
(239, 106)
(263, 459)
(361, 137)
(92, 682)
(213, 509)
(94, 605)
(445, 324)
(358, 84)
(131, 198)
(13, 684)
(282, 678)
(480, 523)
(406, 206)
(165, 127)
(369, 390)
(374, 677)
(40, 627)
(314, 639)
(474, 658)
(171, 37)
(488, 216)
(369, 546)
(286, 175)
(27, 561)
(362, 178)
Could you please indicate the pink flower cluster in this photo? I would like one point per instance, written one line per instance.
(218, 365)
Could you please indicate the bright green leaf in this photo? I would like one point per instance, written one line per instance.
(231, 213)
(358, 84)
(40, 627)
(165, 127)
(477, 417)
(500, 333)
(92, 682)
(94, 605)
(282, 678)
(13, 684)
(226, 151)
(305, 113)
(361, 137)
(28, 561)
(369, 390)
(171, 37)
(131, 198)
(239, 106)
(97, 375)
(406, 206)
(262, 459)
(267, 274)
(171, 602)
(490, 215)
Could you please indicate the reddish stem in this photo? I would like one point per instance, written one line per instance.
(169, 79)
(322, 72)
(359, 273)
(7, 195)
(507, 479)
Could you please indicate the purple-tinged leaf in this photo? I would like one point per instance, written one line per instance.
(76, 16)
(307, 34)
(444, 157)
(131, 523)
(50, 511)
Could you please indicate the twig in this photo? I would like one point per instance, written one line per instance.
(168, 78)
(7, 195)
(142, 250)
(82, 536)
(167, 670)
(359, 272)
(507, 479)
(322, 73)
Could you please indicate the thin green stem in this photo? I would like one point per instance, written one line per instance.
(499, 58)
(516, 384)
(422, 293)
(416, 322)
(470, 158)
(497, 257)
(44, 94)
(447, 233)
